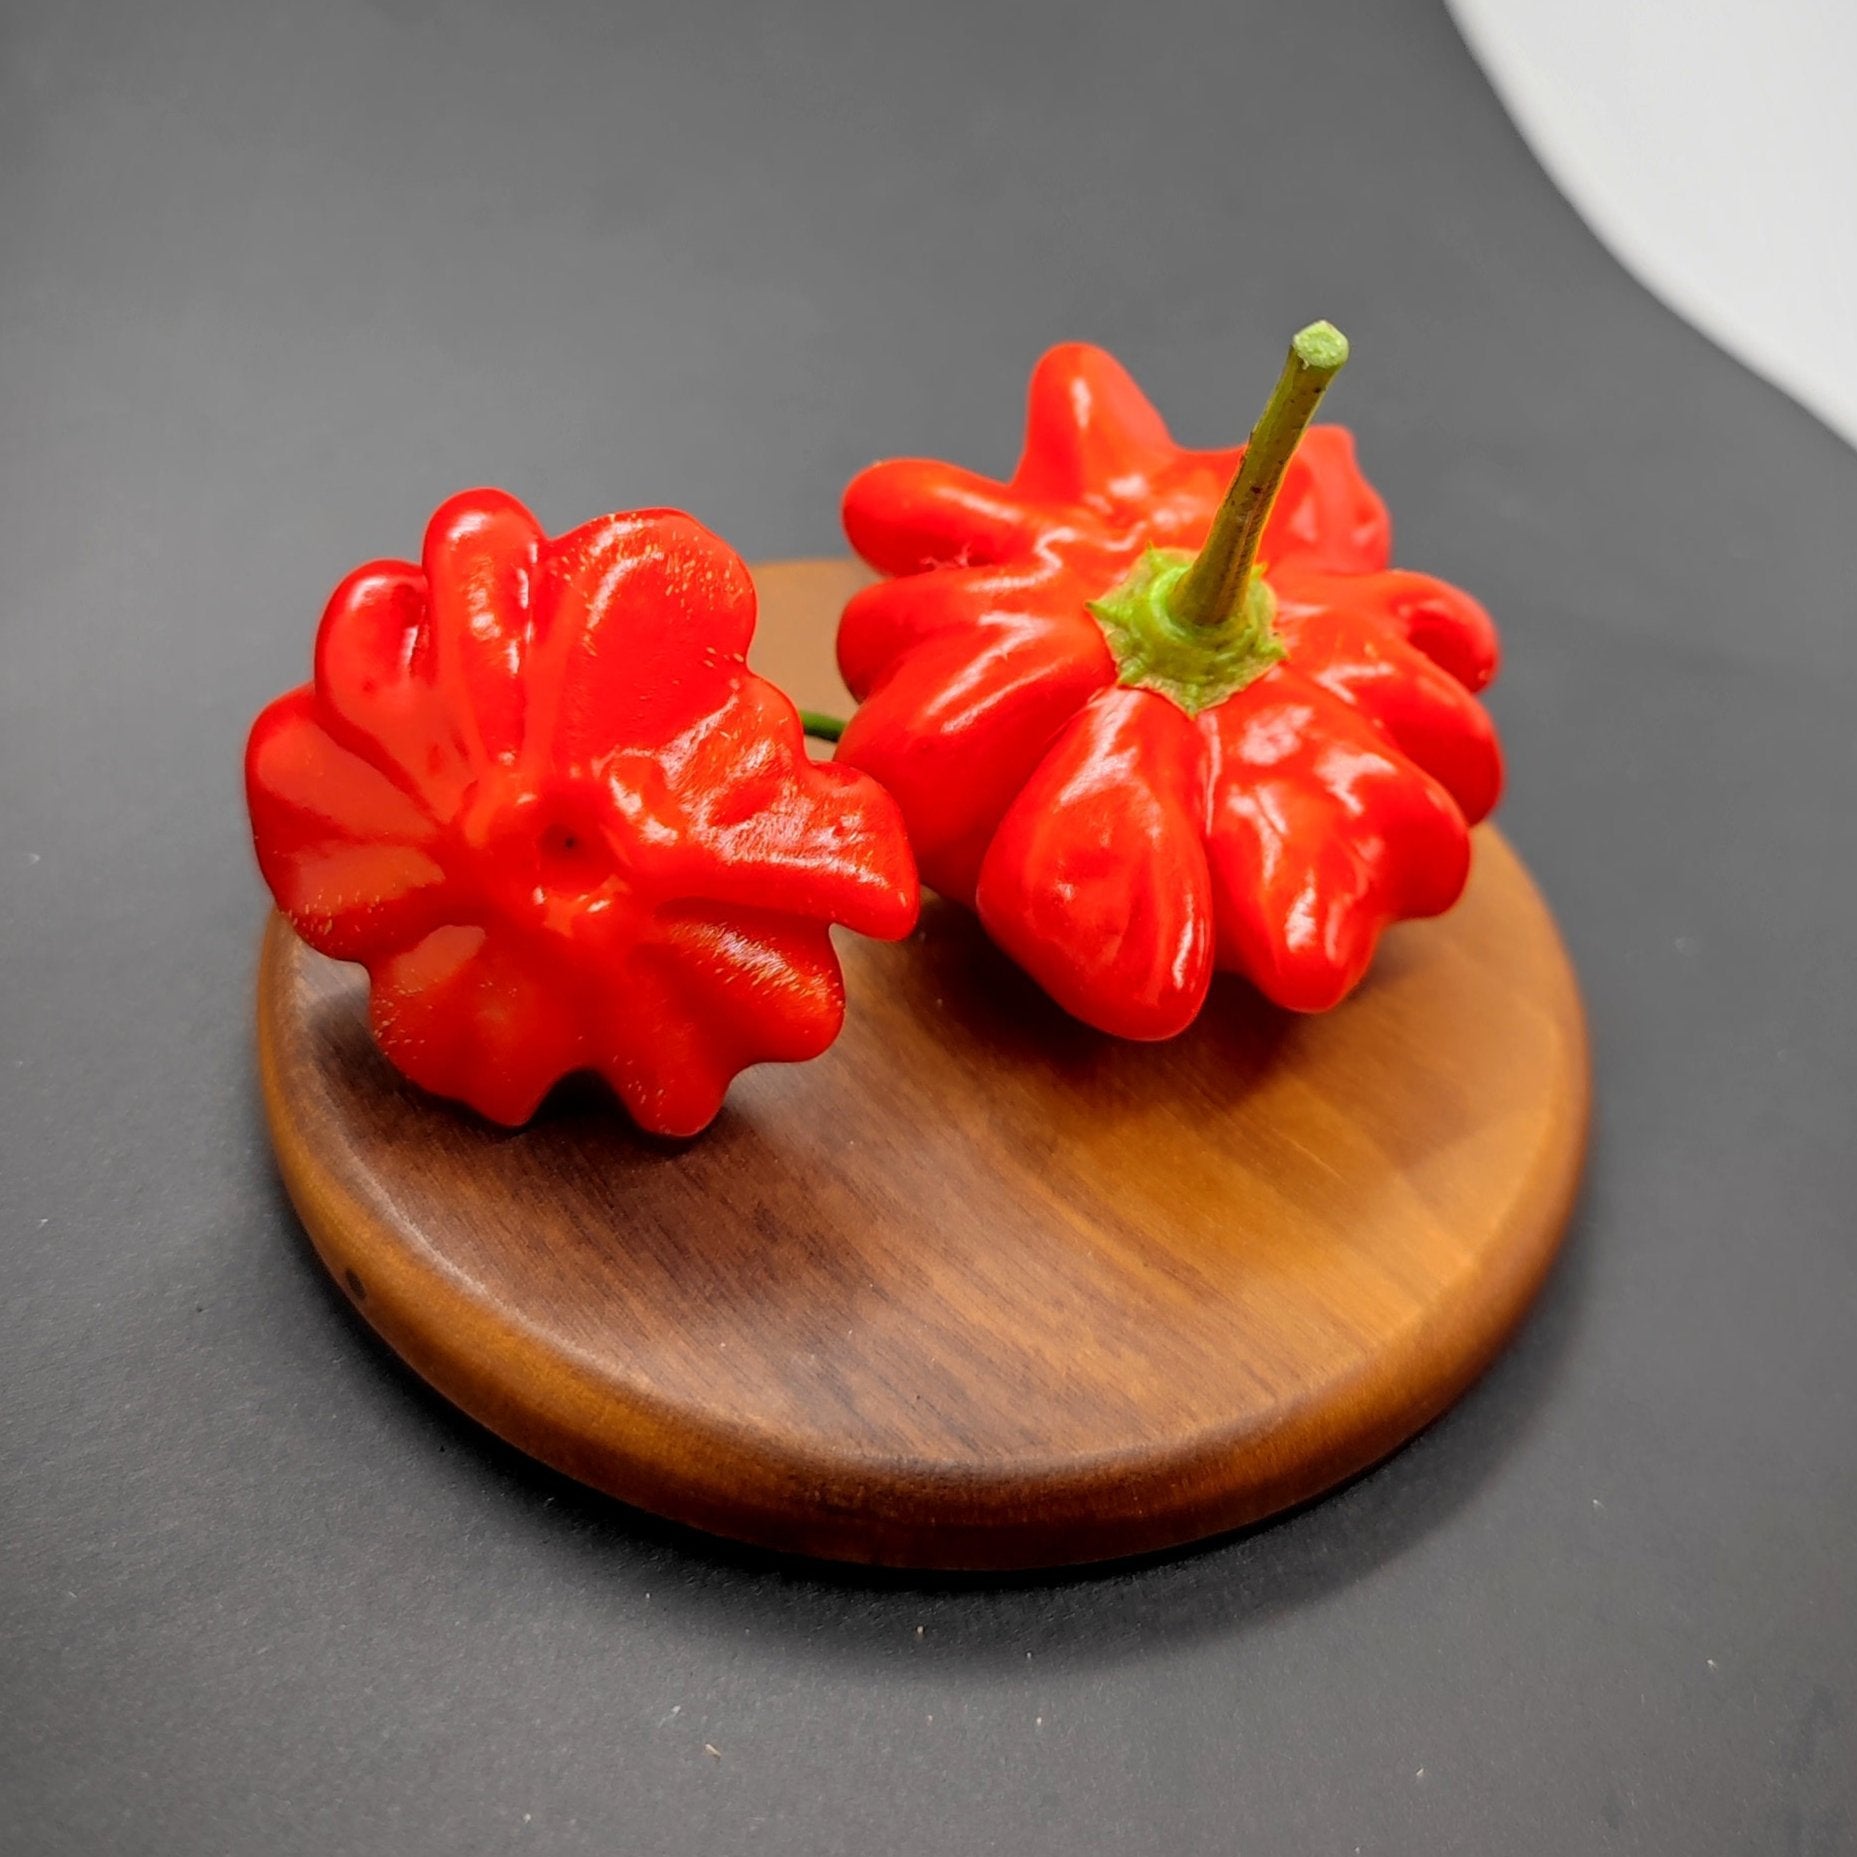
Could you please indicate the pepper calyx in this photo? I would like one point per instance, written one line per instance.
(1192, 664)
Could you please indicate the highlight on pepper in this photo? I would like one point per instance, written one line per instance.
(1153, 711)
(534, 788)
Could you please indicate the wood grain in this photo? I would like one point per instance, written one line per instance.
(980, 1288)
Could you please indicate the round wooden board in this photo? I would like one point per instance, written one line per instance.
(980, 1288)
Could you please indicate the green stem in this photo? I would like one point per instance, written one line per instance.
(827, 728)
(1215, 586)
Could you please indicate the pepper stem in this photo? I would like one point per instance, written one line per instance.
(1215, 586)
(826, 728)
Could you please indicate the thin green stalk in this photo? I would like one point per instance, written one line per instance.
(826, 728)
(1215, 586)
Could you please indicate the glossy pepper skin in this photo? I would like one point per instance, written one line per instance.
(1116, 844)
(534, 788)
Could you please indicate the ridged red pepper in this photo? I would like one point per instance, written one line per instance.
(1139, 766)
(535, 789)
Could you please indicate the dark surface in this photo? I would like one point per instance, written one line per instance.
(273, 281)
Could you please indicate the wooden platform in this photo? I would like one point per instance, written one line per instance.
(980, 1288)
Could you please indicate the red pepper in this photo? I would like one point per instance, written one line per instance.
(1138, 766)
(535, 789)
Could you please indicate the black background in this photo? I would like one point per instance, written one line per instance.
(276, 279)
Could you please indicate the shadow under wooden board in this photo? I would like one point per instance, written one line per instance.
(980, 1288)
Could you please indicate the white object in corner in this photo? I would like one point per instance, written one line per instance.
(1712, 145)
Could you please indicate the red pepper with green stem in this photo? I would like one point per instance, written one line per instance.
(1153, 711)
(535, 789)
